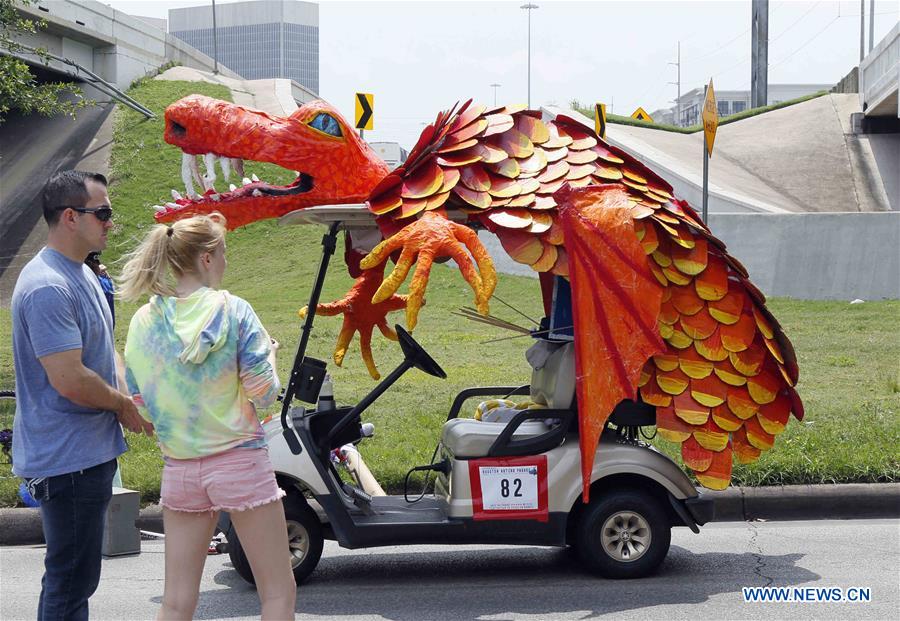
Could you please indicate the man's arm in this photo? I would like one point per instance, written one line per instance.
(81, 386)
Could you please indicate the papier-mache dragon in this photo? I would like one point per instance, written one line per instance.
(661, 311)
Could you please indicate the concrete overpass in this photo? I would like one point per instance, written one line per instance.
(116, 46)
(879, 77)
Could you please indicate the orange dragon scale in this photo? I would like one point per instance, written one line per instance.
(662, 312)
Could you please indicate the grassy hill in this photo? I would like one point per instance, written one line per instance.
(848, 354)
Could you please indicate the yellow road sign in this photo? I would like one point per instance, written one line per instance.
(710, 118)
(600, 119)
(365, 110)
(641, 115)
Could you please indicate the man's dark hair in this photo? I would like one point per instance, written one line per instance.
(67, 188)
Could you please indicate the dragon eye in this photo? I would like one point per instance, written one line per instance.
(326, 124)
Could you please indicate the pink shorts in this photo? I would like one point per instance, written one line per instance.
(235, 480)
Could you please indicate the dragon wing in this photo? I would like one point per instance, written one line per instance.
(723, 383)
(615, 305)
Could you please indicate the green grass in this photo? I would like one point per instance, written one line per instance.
(725, 120)
(848, 354)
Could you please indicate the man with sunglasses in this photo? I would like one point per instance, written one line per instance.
(66, 432)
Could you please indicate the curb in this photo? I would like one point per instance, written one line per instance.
(736, 504)
(23, 526)
(845, 501)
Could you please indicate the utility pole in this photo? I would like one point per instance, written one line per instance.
(528, 8)
(215, 40)
(871, 24)
(678, 83)
(862, 29)
(759, 65)
(495, 87)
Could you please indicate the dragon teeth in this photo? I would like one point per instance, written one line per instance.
(238, 165)
(232, 187)
(159, 208)
(186, 173)
(245, 181)
(257, 193)
(210, 177)
(255, 178)
(195, 169)
(176, 195)
(172, 206)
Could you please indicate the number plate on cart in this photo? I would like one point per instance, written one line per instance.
(509, 488)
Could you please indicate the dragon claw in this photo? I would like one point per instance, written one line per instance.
(430, 237)
(362, 315)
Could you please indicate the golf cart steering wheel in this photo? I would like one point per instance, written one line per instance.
(417, 356)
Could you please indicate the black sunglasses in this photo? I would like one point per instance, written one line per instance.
(101, 213)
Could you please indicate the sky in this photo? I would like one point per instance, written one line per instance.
(418, 58)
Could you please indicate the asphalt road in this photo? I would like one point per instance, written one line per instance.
(701, 579)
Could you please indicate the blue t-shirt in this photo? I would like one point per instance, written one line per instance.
(58, 305)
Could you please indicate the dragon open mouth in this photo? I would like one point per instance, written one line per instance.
(251, 187)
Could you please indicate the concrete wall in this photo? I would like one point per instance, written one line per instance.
(810, 256)
(886, 151)
(849, 83)
(817, 256)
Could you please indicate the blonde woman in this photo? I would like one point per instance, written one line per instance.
(198, 363)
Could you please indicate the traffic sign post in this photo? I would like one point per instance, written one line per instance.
(600, 119)
(365, 111)
(710, 118)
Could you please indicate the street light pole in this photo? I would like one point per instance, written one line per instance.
(528, 7)
(215, 40)
(495, 87)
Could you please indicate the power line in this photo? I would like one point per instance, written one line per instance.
(797, 21)
(810, 40)
(731, 68)
(719, 48)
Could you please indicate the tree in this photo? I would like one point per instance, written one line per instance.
(18, 88)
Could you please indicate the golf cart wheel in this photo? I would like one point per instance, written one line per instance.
(623, 534)
(304, 540)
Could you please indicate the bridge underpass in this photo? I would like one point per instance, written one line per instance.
(33, 147)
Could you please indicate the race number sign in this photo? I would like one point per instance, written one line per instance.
(512, 488)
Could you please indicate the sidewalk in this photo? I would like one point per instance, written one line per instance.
(736, 504)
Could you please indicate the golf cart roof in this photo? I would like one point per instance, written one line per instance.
(351, 216)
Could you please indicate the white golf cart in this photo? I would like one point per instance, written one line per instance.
(514, 482)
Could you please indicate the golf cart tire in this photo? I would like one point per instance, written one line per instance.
(297, 513)
(636, 512)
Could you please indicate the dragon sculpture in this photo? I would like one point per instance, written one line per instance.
(661, 311)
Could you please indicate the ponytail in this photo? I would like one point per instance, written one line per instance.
(175, 247)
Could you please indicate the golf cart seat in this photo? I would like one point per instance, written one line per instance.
(530, 431)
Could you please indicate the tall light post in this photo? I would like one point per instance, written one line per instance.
(495, 87)
(215, 40)
(528, 7)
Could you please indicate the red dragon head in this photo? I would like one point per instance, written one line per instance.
(332, 163)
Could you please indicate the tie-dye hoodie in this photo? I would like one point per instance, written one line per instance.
(196, 367)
